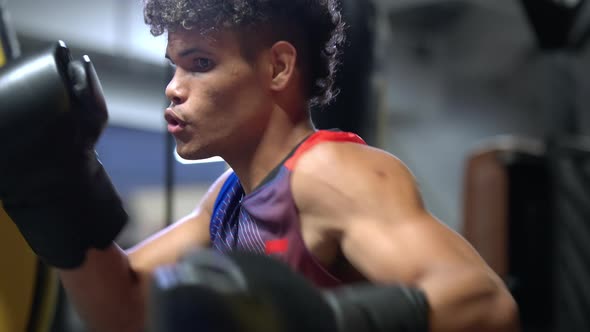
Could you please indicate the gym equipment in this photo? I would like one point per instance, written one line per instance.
(526, 205)
(29, 289)
(246, 292)
(507, 218)
(53, 185)
(568, 158)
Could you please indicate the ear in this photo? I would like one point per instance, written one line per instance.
(283, 56)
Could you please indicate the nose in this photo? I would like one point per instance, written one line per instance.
(175, 90)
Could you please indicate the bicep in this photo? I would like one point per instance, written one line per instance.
(406, 251)
(371, 202)
(371, 199)
(171, 243)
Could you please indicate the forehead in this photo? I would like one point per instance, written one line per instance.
(212, 41)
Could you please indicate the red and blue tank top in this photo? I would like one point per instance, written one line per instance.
(266, 220)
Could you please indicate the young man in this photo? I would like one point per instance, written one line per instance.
(333, 208)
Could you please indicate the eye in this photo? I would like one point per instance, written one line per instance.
(202, 65)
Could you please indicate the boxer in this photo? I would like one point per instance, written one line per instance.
(246, 75)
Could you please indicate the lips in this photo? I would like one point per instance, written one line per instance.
(175, 123)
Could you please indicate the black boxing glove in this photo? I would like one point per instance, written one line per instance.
(52, 185)
(239, 292)
(245, 292)
(379, 308)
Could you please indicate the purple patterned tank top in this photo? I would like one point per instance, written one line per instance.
(266, 220)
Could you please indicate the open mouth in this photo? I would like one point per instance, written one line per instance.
(175, 124)
(172, 121)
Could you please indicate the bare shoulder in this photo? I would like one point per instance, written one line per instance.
(363, 193)
(209, 198)
(345, 179)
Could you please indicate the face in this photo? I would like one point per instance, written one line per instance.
(220, 102)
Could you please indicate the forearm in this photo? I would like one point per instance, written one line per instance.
(469, 300)
(106, 292)
(453, 301)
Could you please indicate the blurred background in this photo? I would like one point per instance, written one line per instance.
(441, 84)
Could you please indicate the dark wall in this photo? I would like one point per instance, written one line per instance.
(353, 110)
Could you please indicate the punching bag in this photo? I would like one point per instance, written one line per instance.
(16, 283)
(569, 158)
(28, 288)
(352, 110)
(562, 29)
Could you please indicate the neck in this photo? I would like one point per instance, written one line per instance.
(256, 160)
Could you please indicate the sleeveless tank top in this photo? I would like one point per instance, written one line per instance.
(266, 220)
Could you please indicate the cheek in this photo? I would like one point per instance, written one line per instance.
(243, 96)
(227, 98)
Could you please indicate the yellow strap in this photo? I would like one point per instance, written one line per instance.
(2, 56)
(17, 280)
(49, 297)
(17, 283)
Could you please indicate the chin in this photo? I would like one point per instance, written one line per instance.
(192, 154)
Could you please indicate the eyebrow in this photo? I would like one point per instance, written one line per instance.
(188, 52)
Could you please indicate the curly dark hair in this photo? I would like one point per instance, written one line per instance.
(314, 27)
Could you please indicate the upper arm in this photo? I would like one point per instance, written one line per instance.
(371, 201)
(171, 243)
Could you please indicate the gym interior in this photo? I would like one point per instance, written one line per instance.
(485, 101)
